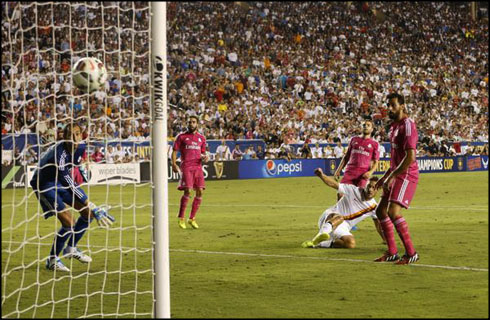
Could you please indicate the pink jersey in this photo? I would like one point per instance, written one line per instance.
(404, 136)
(360, 153)
(190, 146)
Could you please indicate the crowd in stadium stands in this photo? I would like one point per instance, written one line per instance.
(296, 72)
(37, 100)
(286, 73)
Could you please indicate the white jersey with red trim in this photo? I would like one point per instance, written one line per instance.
(352, 206)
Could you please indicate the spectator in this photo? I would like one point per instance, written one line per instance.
(305, 151)
(211, 156)
(110, 155)
(97, 156)
(284, 154)
(328, 152)
(223, 152)
(249, 153)
(317, 151)
(260, 153)
(237, 154)
(381, 150)
(338, 151)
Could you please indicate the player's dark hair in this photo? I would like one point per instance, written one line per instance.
(195, 117)
(373, 178)
(396, 96)
(68, 129)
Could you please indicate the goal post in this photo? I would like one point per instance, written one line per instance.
(160, 158)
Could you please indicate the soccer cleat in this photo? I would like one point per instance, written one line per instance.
(193, 223)
(56, 264)
(308, 244)
(406, 259)
(182, 224)
(320, 238)
(387, 257)
(71, 252)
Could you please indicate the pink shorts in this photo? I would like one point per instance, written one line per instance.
(192, 178)
(401, 192)
(354, 178)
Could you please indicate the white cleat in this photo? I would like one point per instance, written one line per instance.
(74, 252)
(56, 264)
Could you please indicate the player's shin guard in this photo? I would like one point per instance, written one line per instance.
(60, 240)
(387, 226)
(183, 204)
(78, 231)
(402, 229)
(195, 206)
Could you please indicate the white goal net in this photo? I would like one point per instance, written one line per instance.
(41, 41)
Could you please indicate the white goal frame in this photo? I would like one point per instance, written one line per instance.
(158, 69)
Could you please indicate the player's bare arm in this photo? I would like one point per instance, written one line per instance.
(204, 157)
(372, 168)
(381, 180)
(402, 167)
(175, 167)
(327, 180)
(343, 162)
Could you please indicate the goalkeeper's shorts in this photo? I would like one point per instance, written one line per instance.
(53, 197)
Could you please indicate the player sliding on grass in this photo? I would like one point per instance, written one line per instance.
(54, 187)
(399, 182)
(192, 148)
(336, 222)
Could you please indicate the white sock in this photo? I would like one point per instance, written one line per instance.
(326, 228)
(325, 244)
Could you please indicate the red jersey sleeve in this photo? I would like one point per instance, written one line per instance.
(411, 135)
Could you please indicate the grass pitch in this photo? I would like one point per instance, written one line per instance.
(246, 261)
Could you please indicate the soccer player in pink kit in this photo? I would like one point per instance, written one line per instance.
(192, 147)
(399, 182)
(361, 158)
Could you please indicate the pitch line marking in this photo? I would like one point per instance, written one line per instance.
(310, 206)
(322, 258)
(262, 255)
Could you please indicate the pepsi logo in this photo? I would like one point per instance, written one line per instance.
(270, 167)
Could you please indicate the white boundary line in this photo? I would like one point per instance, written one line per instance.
(326, 206)
(271, 256)
(323, 258)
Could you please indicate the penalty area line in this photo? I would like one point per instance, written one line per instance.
(323, 258)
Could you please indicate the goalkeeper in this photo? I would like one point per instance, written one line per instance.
(54, 187)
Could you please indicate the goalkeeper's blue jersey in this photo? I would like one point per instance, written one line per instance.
(55, 169)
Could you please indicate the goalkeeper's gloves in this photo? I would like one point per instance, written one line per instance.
(104, 219)
(85, 173)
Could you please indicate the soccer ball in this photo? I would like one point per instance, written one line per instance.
(89, 74)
